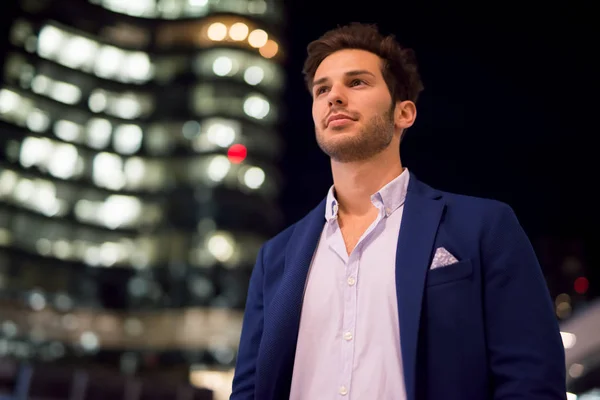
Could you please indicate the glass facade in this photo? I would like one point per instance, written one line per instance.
(138, 177)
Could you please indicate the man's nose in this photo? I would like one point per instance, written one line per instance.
(336, 97)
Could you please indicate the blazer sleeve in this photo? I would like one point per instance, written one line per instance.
(252, 329)
(526, 354)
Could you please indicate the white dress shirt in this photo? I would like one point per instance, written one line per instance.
(349, 337)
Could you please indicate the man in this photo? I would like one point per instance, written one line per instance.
(390, 289)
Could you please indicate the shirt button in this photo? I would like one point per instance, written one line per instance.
(348, 336)
(351, 281)
(388, 211)
(343, 390)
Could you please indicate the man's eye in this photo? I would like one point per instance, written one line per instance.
(356, 82)
(321, 90)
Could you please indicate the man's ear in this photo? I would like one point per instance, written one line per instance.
(405, 114)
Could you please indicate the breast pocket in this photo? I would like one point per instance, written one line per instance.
(450, 273)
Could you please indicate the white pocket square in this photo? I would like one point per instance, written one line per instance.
(442, 258)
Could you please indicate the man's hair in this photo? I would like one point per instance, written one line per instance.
(398, 67)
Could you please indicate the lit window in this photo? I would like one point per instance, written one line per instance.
(218, 168)
(269, 50)
(60, 91)
(138, 67)
(62, 249)
(256, 106)
(254, 177)
(84, 210)
(221, 246)
(9, 101)
(65, 92)
(89, 341)
(170, 9)
(38, 120)
(8, 181)
(126, 106)
(107, 171)
(135, 170)
(257, 7)
(108, 61)
(79, 52)
(24, 190)
(217, 31)
(222, 66)
(136, 8)
(97, 101)
(196, 7)
(238, 31)
(45, 200)
(41, 84)
(63, 161)
(34, 151)
(98, 133)
(92, 256)
(50, 40)
(120, 210)
(127, 139)
(221, 134)
(254, 75)
(68, 130)
(258, 38)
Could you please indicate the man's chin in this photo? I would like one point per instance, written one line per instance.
(343, 151)
(340, 129)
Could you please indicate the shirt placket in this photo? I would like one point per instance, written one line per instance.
(349, 325)
(350, 307)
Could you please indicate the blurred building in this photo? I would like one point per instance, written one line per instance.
(582, 353)
(569, 266)
(138, 178)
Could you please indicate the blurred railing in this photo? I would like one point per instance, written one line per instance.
(171, 329)
(47, 382)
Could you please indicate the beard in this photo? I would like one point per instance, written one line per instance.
(373, 138)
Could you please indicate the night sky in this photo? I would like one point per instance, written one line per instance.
(507, 111)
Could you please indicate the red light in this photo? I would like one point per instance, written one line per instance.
(581, 285)
(237, 153)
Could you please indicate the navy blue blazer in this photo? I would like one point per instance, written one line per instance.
(483, 328)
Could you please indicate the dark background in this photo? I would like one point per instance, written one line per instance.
(507, 110)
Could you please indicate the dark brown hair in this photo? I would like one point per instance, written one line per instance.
(398, 67)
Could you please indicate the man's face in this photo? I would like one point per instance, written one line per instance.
(352, 106)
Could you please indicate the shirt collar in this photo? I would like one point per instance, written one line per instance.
(389, 198)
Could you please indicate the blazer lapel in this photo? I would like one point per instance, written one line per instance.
(420, 221)
(282, 326)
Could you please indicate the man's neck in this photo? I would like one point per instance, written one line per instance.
(356, 182)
